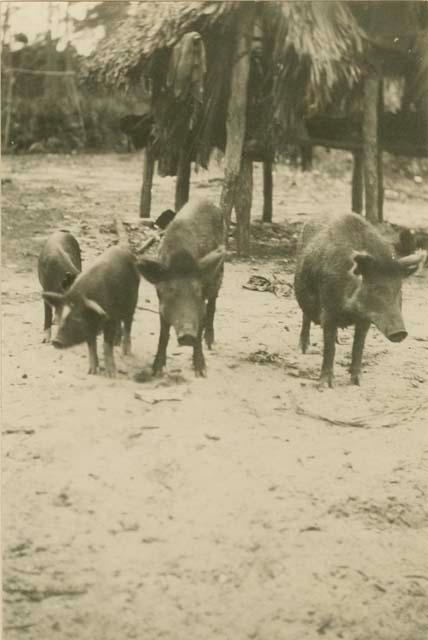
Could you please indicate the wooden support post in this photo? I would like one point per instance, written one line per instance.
(267, 191)
(380, 190)
(379, 152)
(182, 184)
(243, 202)
(237, 108)
(146, 189)
(357, 181)
(306, 152)
(370, 142)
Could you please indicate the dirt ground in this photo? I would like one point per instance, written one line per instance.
(244, 505)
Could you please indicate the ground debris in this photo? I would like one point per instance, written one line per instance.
(277, 285)
(264, 357)
(34, 594)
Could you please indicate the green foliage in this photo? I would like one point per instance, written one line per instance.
(45, 117)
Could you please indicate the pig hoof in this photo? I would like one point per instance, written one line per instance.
(209, 338)
(46, 340)
(201, 373)
(355, 379)
(92, 371)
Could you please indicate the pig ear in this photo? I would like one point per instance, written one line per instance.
(68, 280)
(362, 263)
(94, 306)
(213, 260)
(56, 300)
(406, 244)
(152, 270)
(413, 263)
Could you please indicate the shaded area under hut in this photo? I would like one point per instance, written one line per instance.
(248, 78)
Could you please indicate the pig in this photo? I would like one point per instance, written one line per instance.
(99, 300)
(188, 274)
(59, 264)
(347, 274)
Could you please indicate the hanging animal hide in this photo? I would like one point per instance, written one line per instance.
(187, 67)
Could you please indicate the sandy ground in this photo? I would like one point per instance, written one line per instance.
(244, 505)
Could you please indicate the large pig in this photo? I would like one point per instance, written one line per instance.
(188, 274)
(347, 274)
(59, 265)
(100, 299)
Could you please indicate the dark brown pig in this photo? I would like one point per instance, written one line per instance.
(100, 299)
(59, 265)
(347, 274)
(188, 274)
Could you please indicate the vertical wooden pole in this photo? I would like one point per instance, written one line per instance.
(7, 61)
(146, 189)
(357, 181)
(379, 152)
(267, 191)
(237, 107)
(370, 142)
(182, 184)
(306, 153)
(243, 202)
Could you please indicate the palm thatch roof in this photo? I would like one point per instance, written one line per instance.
(322, 36)
(308, 49)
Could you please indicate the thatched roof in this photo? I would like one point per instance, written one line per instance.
(321, 35)
(312, 47)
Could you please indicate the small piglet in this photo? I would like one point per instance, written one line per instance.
(59, 265)
(347, 274)
(188, 274)
(100, 299)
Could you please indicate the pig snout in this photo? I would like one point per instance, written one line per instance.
(392, 328)
(397, 336)
(58, 344)
(186, 339)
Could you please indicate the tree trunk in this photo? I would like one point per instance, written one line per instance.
(9, 108)
(236, 111)
(182, 184)
(146, 189)
(370, 142)
(267, 191)
(358, 181)
(243, 201)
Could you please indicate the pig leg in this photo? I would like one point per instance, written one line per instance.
(110, 329)
(305, 333)
(330, 332)
(118, 334)
(93, 357)
(160, 358)
(48, 322)
(361, 329)
(198, 358)
(209, 322)
(126, 343)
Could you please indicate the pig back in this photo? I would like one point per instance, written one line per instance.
(60, 254)
(197, 229)
(112, 281)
